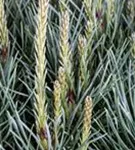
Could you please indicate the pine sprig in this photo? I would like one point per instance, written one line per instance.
(40, 104)
(86, 121)
(65, 52)
(66, 58)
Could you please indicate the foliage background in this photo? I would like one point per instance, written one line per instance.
(111, 82)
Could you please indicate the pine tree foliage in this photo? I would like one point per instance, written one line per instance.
(67, 75)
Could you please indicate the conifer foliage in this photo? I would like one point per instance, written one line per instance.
(67, 75)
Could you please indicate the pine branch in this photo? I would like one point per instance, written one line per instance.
(86, 121)
(40, 104)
